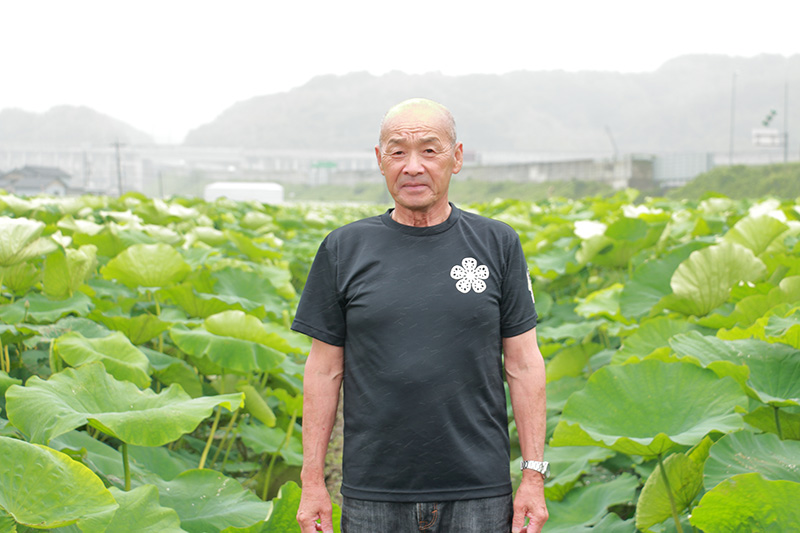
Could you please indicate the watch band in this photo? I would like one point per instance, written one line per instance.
(543, 467)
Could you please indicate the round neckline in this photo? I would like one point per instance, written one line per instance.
(455, 214)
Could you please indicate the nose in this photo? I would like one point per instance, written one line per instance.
(413, 166)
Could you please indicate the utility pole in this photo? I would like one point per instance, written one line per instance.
(786, 122)
(116, 145)
(733, 110)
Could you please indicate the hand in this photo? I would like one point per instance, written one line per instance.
(529, 503)
(316, 511)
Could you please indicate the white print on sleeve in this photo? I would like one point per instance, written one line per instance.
(470, 275)
(530, 286)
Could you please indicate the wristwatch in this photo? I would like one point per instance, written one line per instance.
(543, 467)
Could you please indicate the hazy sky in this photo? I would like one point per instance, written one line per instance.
(168, 66)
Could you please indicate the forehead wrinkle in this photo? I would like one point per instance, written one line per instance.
(413, 138)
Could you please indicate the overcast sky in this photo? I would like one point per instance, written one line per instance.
(168, 66)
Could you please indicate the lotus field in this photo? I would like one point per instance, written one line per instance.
(149, 381)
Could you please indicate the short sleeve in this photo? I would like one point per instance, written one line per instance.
(320, 313)
(517, 308)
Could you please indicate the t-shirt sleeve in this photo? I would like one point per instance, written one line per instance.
(517, 308)
(320, 314)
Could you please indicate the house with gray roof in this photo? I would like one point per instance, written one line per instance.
(35, 180)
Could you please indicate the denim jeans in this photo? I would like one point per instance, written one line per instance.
(485, 515)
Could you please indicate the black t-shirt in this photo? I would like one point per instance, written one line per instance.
(421, 313)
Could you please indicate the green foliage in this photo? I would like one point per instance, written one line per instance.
(671, 332)
(743, 182)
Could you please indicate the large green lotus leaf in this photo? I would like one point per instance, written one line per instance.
(65, 271)
(773, 328)
(784, 329)
(138, 329)
(256, 405)
(255, 249)
(771, 370)
(588, 505)
(140, 512)
(555, 261)
(263, 439)
(20, 240)
(233, 354)
(558, 391)
(238, 325)
(209, 502)
(147, 265)
(743, 452)
(39, 309)
(249, 289)
(7, 524)
(763, 418)
(43, 488)
(120, 358)
(571, 361)
(49, 332)
(74, 397)
(102, 459)
(622, 240)
(169, 370)
(649, 337)
(750, 309)
(19, 278)
(756, 232)
(748, 502)
(72, 226)
(146, 462)
(643, 409)
(603, 302)
(198, 304)
(5, 382)
(685, 474)
(651, 280)
(703, 281)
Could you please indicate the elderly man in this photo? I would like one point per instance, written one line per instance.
(421, 311)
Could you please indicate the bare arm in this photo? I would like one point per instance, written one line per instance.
(526, 384)
(321, 382)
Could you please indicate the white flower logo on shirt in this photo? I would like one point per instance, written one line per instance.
(470, 275)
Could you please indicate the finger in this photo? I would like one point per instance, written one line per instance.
(517, 522)
(326, 525)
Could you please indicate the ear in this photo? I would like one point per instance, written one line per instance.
(378, 156)
(459, 155)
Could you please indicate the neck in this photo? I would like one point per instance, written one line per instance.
(430, 217)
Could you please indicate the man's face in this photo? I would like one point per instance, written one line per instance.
(417, 157)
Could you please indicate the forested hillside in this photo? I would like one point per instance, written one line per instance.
(683, 106)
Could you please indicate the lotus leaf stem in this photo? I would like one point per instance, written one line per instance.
(665, 478)
(210, 438)
(284, 444)
(776, 410)
(126, 466)
(3, 358)
(55, 361)
(227, 452)
(225, 437)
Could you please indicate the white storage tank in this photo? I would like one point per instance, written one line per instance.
(256, 191)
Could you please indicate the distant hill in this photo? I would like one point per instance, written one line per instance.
(66, 125)
(777, 181)
(683, 106)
